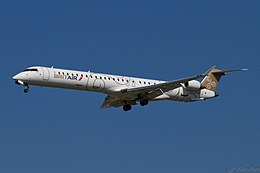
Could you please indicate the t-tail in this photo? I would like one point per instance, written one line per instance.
(213, 77)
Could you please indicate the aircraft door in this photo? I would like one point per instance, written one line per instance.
(46, 73)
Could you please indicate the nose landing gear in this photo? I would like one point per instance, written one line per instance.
(26, 88)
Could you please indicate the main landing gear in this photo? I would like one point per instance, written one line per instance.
(127, 107)
(144, 102)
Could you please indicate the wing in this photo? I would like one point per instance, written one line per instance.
(153, 91)
(115, 101)
(132, 94)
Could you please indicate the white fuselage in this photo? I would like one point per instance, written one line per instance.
(104, 83)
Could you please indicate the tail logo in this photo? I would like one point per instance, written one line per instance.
(211, 83)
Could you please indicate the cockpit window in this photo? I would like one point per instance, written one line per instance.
(32, 69)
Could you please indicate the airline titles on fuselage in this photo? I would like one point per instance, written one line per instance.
(68, 77)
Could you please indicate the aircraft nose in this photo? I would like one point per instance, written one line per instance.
(15, 77)
(20, 76)
(216, 94)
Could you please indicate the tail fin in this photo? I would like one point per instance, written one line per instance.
(213, 77)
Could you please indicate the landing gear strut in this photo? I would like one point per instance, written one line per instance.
(25, 85)
(144, 102)
(26, 88)
(127, 107)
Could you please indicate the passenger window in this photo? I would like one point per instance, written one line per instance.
(67, 73)
(77, 75)
(122, 80)
(149, 83)
(118, 80)
(90, 76)
(108, 78)
(63, 73)
(100, 77)
(105, 78)
(96, 77)
(86, 75)
(144, 82)
(113, 78)
(140, 82)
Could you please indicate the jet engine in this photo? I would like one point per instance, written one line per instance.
(192, 85)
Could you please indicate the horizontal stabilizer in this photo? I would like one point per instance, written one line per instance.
(224, 72)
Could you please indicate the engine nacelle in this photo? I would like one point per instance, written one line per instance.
(192, 85)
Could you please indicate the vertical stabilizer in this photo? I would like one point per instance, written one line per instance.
(212, 79)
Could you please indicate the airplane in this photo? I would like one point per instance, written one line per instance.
(123, 91)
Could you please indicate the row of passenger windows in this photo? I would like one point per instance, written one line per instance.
(107, 78)
(69, 74)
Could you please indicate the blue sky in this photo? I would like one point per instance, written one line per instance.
(56, 130)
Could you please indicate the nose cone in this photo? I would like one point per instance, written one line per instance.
(15, 77)
(20, 76)
(216, 94)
